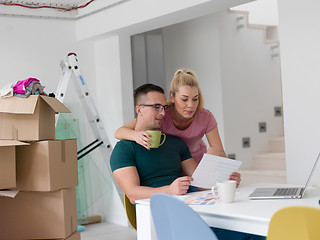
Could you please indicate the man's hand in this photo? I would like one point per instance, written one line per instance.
(235, 177)
(180, 186)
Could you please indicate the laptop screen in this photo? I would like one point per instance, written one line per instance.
(311, 174)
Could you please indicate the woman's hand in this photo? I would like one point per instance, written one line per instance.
(235, 176)
(216, 152)
(141, 137)
(215, 144)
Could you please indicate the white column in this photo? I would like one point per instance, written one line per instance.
(114, 103)
(299, 24)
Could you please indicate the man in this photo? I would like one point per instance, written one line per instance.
(141, 172)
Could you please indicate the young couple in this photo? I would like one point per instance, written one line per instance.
(141, 171)
(185, 118)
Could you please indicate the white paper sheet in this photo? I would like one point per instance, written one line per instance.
(213, 169)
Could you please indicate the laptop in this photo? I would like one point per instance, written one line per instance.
(282, 193)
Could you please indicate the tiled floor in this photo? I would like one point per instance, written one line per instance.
(108, 231)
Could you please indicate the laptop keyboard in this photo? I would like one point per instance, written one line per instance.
(285, 191)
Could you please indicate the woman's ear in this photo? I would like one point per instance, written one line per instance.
(171, 97)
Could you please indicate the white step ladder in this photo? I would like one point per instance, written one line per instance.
(70, 67)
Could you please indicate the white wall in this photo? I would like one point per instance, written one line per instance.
(300, 51)
(33, 48)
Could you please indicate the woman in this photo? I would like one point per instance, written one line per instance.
(186, 118)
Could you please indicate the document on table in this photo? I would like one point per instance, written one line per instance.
(213, 169)
(198, 198)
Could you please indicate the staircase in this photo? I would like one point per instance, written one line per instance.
(268, 167)
(270, 33)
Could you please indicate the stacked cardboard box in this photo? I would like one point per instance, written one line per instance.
(43, 169)
(8, 163)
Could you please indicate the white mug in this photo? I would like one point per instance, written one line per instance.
(226, 191)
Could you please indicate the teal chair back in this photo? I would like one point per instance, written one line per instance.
(175, 220)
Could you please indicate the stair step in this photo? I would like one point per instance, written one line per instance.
(270, 32)
(250, 176)
(276, 144)
(271, 161)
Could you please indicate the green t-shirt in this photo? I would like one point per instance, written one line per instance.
(156, 167)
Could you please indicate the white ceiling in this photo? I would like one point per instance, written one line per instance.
(61, 9)
(68, 4)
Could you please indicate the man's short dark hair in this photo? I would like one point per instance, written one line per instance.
(144, 90)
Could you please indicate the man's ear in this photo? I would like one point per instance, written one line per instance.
(138, 110)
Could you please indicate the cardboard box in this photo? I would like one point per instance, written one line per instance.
(29, 119)
(8, 163)
(39, 215)
(74, 236)
(47, 165)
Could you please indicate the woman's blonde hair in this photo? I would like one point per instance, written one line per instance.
(185, 77)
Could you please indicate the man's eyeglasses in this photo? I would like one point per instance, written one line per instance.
(157, 107)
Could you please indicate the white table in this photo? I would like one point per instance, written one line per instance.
(244, 215)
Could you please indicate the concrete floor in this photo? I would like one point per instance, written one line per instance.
(104, 231)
